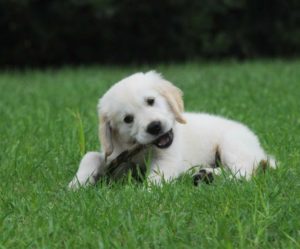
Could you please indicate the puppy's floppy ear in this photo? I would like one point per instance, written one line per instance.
(173, 96)
(105, 135)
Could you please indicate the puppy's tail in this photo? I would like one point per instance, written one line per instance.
(271, 161)
(268, 162)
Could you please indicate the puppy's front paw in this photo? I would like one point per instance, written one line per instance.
(203, 176)
(77, 182)
(74, 184)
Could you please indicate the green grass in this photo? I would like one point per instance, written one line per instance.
(48, 119)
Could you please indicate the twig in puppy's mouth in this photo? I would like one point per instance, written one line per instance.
(112, 169)
(124, 157)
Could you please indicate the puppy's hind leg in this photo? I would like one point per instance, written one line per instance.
(90, 168)
(241, 152)
(206, 175)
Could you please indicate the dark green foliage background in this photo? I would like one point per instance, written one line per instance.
(55, 32)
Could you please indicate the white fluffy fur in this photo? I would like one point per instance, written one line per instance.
(197, 136)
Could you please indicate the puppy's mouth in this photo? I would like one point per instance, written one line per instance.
(165, 140)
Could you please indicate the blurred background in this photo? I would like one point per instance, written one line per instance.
(52, 33)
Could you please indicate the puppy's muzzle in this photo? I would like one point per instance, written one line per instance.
(163, 140)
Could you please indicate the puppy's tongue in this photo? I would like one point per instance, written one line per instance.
(165, 140)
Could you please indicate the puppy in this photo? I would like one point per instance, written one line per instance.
(146, 109)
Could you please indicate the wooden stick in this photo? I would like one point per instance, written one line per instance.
(122, 162)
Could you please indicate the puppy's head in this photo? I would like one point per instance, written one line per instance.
(141, 108)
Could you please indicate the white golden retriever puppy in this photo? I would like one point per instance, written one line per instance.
(144, 108)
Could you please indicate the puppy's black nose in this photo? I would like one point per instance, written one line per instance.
(154, 128)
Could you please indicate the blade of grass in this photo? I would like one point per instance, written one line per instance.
(80, 130)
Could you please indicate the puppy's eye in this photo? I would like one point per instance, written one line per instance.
(150, 101)
(128, 119)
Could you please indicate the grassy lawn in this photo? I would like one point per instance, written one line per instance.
(40, 149)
